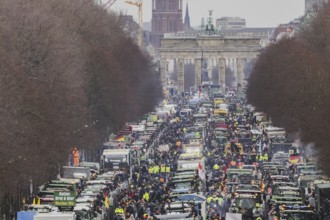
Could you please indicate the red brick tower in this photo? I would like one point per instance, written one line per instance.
(166, 18)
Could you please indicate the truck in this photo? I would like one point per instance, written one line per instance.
(75, 172)
(25, 215)
(55, 216)
(275, 132)
(115, 159)
(190, 165)
(322, 196)
(246, 204)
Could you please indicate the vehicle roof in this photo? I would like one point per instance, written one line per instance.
(284, 183)
(323, 186)
(288, 187)
(116, 151)
(69, 180)
(249, 165)
(238, 171)
(40, 206)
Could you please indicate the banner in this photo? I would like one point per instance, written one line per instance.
(64, 199)
(201, 172)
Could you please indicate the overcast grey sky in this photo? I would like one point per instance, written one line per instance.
(258, 13)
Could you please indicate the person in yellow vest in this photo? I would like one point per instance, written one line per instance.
(119, 211)
(167, 169)
(36, 200)
(197, 135)
(265, 157)
(209, 199)
(162, 168)
(164, 102)
(185, 130)
(216, 167)
(220, 199)
(146, 196)
(151, 170)
(262, 186)
(156, 169)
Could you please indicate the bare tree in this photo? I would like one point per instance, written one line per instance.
(290, 83)
(68, 71)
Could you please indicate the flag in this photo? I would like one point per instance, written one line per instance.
(201, 172)
(120, 138)
(106, 202)
(295, 159)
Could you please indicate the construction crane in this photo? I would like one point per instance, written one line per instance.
(108, 4)
(139, 4)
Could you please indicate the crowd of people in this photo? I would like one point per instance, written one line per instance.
(151, 187)
(147, 191)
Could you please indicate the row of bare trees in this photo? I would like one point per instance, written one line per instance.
(68, 73)
(290, 82)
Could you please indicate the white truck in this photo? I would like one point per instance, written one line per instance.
(185, 165)
(115, 159)
(55, 216)
(275, 132)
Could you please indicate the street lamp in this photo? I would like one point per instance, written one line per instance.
(202, 65)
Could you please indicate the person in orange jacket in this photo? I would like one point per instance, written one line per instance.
(75, 155)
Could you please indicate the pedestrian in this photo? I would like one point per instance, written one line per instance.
(75, 155)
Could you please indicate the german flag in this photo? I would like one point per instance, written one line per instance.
(295, 159)
(120, 138)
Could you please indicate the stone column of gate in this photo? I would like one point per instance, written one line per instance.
(181, 75)
(198, 71)
(163, 71)
(240, 74)
(222, 74)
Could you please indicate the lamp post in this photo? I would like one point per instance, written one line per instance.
(202, 65)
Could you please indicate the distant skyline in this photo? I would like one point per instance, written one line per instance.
(257, 13)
